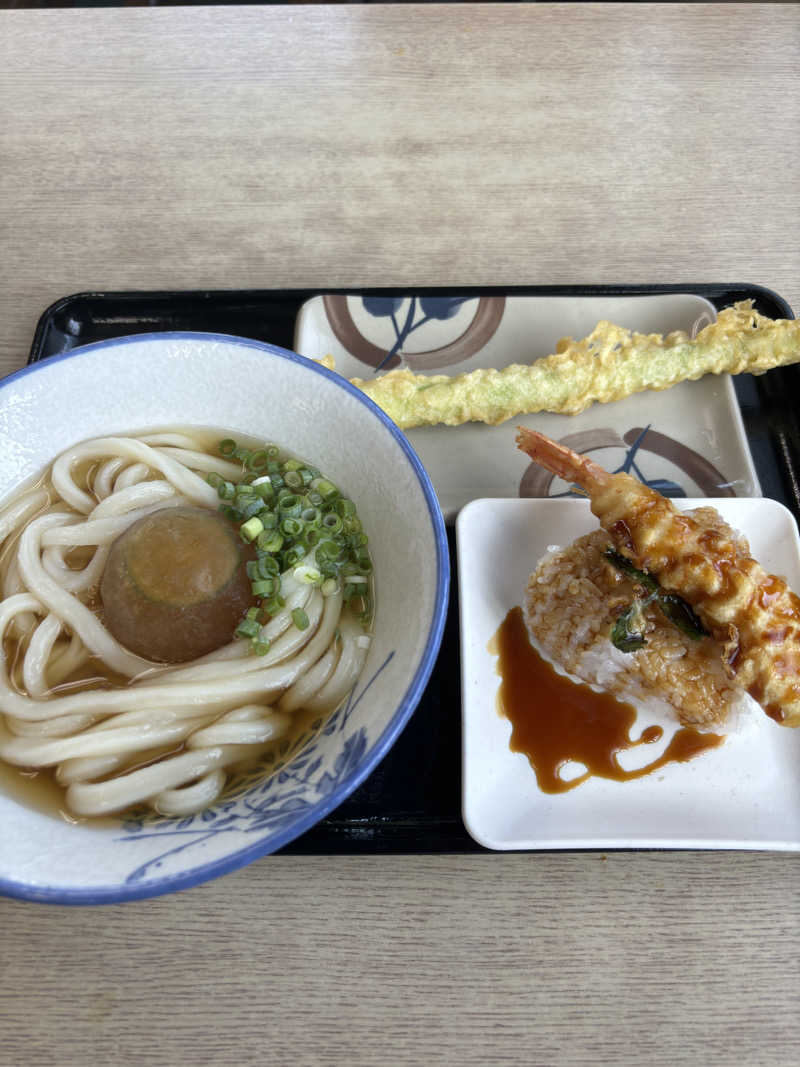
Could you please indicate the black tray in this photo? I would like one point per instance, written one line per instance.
(412, 801)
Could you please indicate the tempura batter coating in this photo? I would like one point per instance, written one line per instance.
(609, 364)
(754, 615)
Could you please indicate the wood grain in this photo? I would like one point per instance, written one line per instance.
(579, 959)
(437, 144)
(408, 145)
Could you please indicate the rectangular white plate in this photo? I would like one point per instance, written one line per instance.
(744, 794)
(695, 441)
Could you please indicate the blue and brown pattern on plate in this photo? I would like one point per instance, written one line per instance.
(685, 441)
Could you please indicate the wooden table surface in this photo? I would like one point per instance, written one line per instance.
(409, 145)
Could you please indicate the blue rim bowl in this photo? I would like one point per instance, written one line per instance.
(136, 383)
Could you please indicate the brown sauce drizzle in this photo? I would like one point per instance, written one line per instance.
(555, 720)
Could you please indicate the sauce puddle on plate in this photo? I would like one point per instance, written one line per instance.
(555, 720)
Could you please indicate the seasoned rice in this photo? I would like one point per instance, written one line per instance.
(573, 599)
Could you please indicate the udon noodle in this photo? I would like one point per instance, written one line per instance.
(118, 729)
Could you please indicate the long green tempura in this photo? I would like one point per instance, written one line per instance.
(609, 364)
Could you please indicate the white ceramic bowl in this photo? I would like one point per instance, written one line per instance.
(152, 381)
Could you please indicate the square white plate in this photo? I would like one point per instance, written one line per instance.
(689, 437)
(744, 794)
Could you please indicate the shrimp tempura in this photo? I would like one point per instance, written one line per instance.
(754, 615)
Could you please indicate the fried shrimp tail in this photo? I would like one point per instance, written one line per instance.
(562, 461)
(752, 614)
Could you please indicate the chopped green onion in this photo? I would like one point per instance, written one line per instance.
(268, 518)
(307, 575)
(258, 460)
(291, 527)
(345, 507)
(298, 521)
(274, 605)
(331, 523)
(293, 555)
(251, 507)
(248, 628)
(327, 550)
(251, 529)
(326, 489)
(264, 587)
(267, 567)
(270, 541)
(263, 486)
(311, 516)
(289, 506)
